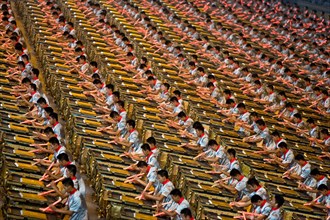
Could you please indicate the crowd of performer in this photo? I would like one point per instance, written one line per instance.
(313, 88)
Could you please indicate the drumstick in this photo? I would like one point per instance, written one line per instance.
(159, 214)
(250, 213)
(289, 171)
(162, 204)
(35, 151)
(136, 175)
(224, 179)
(128, 168)
(53, 204)
(38, 161)
(199, 155)
(129, 180)
(315, 200)
(44, 176)
(56, 181)
(27, 121)
(140, 197)
(46, 192)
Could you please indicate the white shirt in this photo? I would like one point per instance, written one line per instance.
(133, 138)
(288, 157)
(152, 176)
(264, 209)
(178, 109)
(183, 203)
(241, 187)
(187, 124)
(305, 170)
(234, 164)
(37, 82)
(84, 67)
(59, 151)
(202, 141)
(109, 100)
(35, 97)
(58, 130)
(152, 160)
(260, 192)
(77, 205)
(275, 214)
(165, 190)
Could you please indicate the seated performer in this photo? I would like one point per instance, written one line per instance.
(201, 143)
(71, 171)
(179, 203)
(300, 171)
(276, 212)
(184, 124)
(76, 206)
(145, 171)
(177, 108)
(254, 188)
(262, 208)
(162, 194)
(120, 124)
(216, 154)
(235, 185)
(323, 201)
(186, 214)
(152, 143)
(287, 157)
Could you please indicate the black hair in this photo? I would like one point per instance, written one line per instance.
(234, 172)
(230, 101)
(253, 182)
(297, 115)
(176, 192)
(49, 110)
(255, 198)
(42, 100)
(110, 86)
(54, 116)
(151, 140)
(182, 114)
(145, 147)
(299, 157)
(315, 171)
(283, 145)
(241, 105)
(209, 84)
(131, 123)
(141, 164)
(63, 156)
(212, 142)
(276, 133)
(68, 182)
(163, 173)
(260, 122)
(97, 81)
(113, 114)
(174, 99)
(72, 169)
(177, 93)
(186, 212)
(26, 80)
(121, 103)
(53, 140)
(232, 152)
(48, 130)
(279, 200)
(33, 86)
(322, 187)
